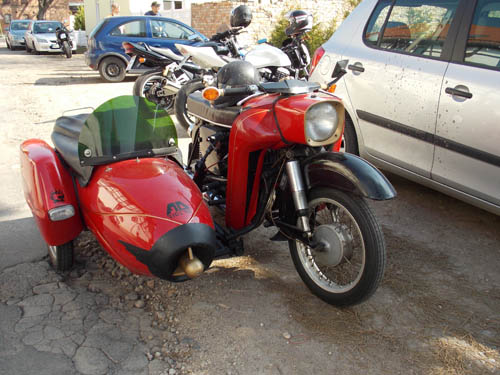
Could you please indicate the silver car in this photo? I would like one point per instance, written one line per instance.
(41, 37)
(15, 33)
(422, 92)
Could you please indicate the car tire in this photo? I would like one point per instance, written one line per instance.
(35, 51)
(28, 50)
(8, 44)
(112, 69)
(350, 139)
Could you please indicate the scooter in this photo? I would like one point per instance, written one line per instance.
(117, 172)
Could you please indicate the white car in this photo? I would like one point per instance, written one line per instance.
(41, 37)
(15, 33)
(422, 91)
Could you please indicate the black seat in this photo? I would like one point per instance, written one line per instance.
(203, 109)
(65, 138)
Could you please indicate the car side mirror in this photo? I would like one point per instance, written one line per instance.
(339, 69)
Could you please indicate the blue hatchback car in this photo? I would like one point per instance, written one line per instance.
(106, 54)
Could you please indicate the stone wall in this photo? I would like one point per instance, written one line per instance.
(209, 16)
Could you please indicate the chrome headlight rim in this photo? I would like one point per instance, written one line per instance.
(337, 127)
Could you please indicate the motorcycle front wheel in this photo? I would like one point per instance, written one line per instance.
(143, 86)
(67, 49)
(181, 102)
(348, 266)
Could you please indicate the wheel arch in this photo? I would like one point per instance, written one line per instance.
(110, 54)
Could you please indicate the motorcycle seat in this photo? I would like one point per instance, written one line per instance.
(202, 108)
(168, 53)
(65, 138)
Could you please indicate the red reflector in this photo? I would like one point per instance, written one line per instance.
(318, 54)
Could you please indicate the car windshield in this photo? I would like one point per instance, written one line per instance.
(15, 26)
(125, 127)
(46, 27)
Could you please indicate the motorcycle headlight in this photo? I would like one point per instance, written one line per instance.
(322, 123)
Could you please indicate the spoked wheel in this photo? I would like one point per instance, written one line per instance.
(347, 266)
(61, 257)
(150, 86)
(181, 113)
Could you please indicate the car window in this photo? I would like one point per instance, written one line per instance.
(166, 29)
(20, 25)
(483, 42)
(416, 27)
(134, 28)
(46, 27)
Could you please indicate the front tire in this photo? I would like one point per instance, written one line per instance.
(350, 267)
(144, 83)
(112, 69)
(28, 50)
(349, 138)
(181, 102)
(67, 49)
(61, 257)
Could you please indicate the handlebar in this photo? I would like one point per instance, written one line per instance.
(226, 34)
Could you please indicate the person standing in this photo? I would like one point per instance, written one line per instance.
(155, 9)
(115, 10)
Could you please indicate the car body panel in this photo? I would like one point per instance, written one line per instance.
(424, 133)
(102, 42)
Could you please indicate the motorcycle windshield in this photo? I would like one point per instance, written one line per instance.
(123, 128)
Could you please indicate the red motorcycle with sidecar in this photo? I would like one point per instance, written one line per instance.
(257, 153)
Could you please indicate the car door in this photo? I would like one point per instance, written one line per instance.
(166, 33)
(467, 156)
(395, 75)
(128, 31)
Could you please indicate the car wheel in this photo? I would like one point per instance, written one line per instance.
(349, 139)
(8, 44)
(35, 51)
(28, 50)
(112, 69)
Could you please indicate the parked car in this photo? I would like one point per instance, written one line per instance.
(41, 37)
(422, 91)
(15, 33)
(106, 54)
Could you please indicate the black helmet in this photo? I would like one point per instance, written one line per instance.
(241, 16)
(300, 22)
(237, 73)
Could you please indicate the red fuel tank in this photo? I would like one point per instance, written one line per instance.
(146, 213)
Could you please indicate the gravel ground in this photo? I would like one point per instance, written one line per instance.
(436, 312)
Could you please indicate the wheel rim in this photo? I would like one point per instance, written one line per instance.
(53, 254)
(113, 70)
(325, 268)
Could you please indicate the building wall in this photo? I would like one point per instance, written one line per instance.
(28, 9)
(208, 17)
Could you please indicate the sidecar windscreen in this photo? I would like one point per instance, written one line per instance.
(123, 128)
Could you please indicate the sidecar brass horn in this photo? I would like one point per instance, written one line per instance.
(189, 265)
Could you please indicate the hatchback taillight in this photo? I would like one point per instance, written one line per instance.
(318, 54)
(128, 47)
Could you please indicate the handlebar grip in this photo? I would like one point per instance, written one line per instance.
(240, 90)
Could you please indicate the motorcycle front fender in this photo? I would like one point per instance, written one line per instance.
(347, 172)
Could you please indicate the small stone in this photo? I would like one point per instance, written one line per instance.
(172, 371)
(149, 356)
(262, 324)
(160, 315)
(157, 355)
(150, 284)
(131, 296)
(139, 304)
(287, 336)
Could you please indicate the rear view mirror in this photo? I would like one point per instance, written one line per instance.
(339, 69)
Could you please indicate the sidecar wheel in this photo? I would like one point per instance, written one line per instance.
(350, 267)
(61, 257)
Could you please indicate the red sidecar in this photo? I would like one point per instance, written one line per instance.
(115, 172)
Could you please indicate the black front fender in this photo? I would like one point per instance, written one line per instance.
(346, 172)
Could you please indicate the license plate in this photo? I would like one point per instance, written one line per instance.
(54, 46)
(131, 63)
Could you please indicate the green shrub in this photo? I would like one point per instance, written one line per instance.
(80, 19)
(313, 39)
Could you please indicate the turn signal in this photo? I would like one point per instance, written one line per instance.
(142, 60)
(332, 88)
(210, 94)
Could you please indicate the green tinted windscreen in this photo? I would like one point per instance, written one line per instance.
(124, 127)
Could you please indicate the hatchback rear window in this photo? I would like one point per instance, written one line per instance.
(416, 27)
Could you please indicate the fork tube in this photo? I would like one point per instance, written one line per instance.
(298, 193)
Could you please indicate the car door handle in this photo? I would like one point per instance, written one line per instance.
(455, 92)
(356, 68)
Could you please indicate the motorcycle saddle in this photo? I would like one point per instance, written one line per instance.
(168, 53)
(65, 138)
(202, 108)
